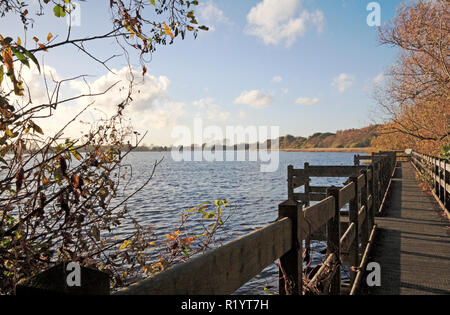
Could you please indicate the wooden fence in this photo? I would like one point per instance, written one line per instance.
(438, 171)
(225, 269)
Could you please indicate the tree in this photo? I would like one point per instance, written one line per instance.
(415, 97)
(61, 197)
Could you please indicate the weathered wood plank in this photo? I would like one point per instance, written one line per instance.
(290, 263)
(369, 174)
(323, 270)
(346, 194)
(361, 181)
(310, 196)
(362, 266)
(318, 214)
(299, 181)
(318, 189)
(348, 237)
(361, 216)
(334, 171)
(224, 269)
(369, 202)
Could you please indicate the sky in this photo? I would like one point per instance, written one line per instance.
(306, 66)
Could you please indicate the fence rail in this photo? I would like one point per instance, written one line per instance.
(438, 171)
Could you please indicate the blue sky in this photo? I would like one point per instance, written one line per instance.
(306, 66)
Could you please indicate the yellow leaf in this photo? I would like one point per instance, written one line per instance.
(152, 243)
(19, 42)
(167, 30)
(8, 132)
(174, 236)
(125, 244)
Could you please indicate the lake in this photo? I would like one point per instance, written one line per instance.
(255, 195)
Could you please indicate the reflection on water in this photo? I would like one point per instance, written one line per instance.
(178, 186)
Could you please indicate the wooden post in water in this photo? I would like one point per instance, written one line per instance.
(333, 240)
(353, 218)
(291, 263)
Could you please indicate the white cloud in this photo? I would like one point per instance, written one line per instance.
(209, 13)
(281, 21)
(151, 108)
(277, 79)
(343, 82)
(306, 101)
(254, 98)
(210, 110)
(285, 90)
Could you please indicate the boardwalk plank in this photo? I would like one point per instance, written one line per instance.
(413, 240)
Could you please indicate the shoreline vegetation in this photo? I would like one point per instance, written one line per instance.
(350, 140)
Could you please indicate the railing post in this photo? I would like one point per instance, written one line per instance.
(377, 198)
(370, 192)
(440, 195)
(353, 254)
(306, 203)
(445, 184)
(290, 185)
(364, 224)
(356, 161)
(333, 240)
(291, 263)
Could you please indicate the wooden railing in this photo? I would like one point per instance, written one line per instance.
(438, 170)
(225, 269)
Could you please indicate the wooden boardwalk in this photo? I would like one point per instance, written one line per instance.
(412, 244)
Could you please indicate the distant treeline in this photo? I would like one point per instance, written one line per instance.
(350, 138)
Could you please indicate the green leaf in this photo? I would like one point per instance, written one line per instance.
(21, 57)
(37, 129)
(59, 11)
(32, 57)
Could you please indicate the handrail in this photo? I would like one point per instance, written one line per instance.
(222, 270)
(439, 171)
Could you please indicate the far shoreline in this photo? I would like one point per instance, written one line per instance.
(330, 150)
(349, 150)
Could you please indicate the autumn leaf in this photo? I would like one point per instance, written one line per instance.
(174, 236)
(49, 36)
(42, 46)
(187, 240)
(125, 244)
(167, 30)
